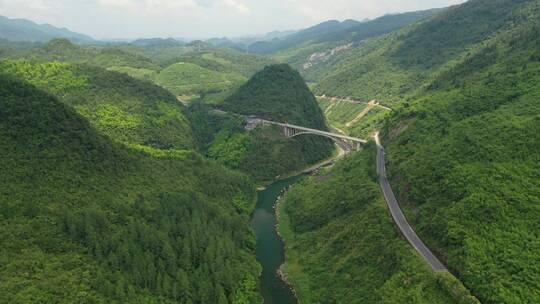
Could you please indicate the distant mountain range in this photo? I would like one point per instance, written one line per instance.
(333, 31)
(26, 30)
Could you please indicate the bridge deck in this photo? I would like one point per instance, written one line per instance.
(354, 139)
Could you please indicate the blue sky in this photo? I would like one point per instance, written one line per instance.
(200, 18)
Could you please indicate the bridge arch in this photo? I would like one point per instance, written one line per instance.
(343, 143)
(316, 134)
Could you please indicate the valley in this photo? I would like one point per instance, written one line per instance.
(388, 160)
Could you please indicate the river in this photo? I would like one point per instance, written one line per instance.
(270, 248)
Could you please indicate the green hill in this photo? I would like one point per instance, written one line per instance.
(279, 93)
(210, 74)
(189, 79)
(65, 51)
(226, 61)
(128, 110)
(84, 220)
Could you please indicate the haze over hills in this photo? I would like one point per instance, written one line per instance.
(129, 168)
(25, 30)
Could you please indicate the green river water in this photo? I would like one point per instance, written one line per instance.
(270, 248)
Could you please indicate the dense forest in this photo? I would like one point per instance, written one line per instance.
(128, 110)
(86, 220)
(464, 157)
(342, 247)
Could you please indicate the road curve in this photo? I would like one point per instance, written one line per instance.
(399, 217)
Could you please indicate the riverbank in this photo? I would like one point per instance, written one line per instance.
(270, 247)
(338, 154)
(286, 234)
(276, 288)
(280, 272)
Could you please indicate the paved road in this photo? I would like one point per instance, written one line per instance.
(399, 217)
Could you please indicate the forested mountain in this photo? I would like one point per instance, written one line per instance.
(395, 65)
(25, 30)
(277, 93)
(309, 51)
(462, 154)
(473, 179)
(85, 220)
(127, 110)
(312, 33)
(342, 247)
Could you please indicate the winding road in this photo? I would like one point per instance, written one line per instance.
(399, 217)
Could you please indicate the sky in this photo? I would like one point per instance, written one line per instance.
(129, 19)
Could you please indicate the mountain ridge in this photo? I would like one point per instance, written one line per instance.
(25, 30)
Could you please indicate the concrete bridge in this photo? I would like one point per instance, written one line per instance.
(347, 142)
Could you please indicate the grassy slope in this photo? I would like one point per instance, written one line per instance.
(226, 61)
(390, 68)
(121, 107)
(465, 157)
(84, 220)
(342, 113)
(212, 74)
(187, 79)
(342, 247)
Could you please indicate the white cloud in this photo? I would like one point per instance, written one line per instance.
(116, 3)
(235, 5)
(200, 18)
